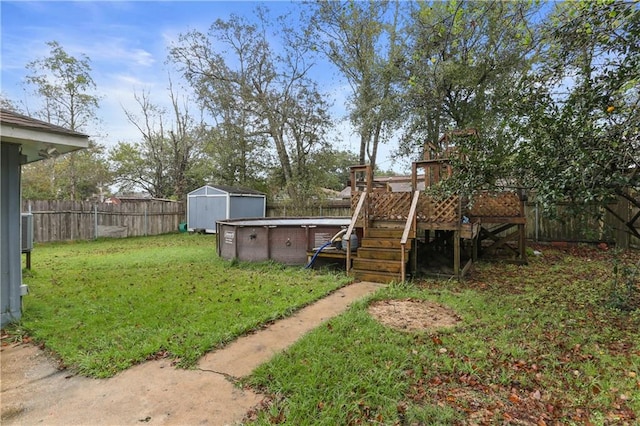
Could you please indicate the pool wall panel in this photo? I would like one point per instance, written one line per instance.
(253, 244)
(280, 239)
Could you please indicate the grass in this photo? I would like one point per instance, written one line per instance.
(539, 344)
(102, 306)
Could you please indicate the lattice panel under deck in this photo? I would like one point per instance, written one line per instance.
(438, 211)
(389, 205)
(500, 204)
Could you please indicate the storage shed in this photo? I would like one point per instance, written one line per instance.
(211, 203)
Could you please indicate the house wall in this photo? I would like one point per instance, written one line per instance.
(10, 248)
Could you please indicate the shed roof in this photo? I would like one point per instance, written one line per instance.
(237, 190)
(231, 190)
(38, 139)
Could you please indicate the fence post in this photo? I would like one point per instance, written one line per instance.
(145, 219)
(537, 222)
(95, 220)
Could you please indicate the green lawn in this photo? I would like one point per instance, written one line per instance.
(539, 344)
(104, 305)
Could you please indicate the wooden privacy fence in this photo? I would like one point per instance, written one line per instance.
(591, 226)
(328, 208)
(83, 220)
(76, 220)
(594, 224)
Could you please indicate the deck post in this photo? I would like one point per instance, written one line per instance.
(403, 266)
(456, 253)
(475, 238)
(522, 242)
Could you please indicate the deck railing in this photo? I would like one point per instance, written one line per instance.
(354, 219)
(409, 226)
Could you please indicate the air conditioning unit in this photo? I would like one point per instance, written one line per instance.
(27, 232)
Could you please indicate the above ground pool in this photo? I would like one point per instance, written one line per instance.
(284, 240)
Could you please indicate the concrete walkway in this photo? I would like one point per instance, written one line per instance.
(34, 391)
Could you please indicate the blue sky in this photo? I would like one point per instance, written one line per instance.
(127, 43)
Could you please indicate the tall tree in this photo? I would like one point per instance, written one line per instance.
(462, 60)
(65, 87)
(235, 68)
(67, 94)
(6, 103)
(579, 113)
(362, 40)
(166, 162)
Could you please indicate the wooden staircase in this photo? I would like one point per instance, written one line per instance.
(379, 255)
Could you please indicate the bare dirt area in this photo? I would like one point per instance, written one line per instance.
(413, 315)
(35, 391)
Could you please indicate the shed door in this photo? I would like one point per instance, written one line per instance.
(204, 211)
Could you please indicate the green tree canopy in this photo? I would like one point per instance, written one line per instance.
(267, 108)
(362, 39)
(168, 161)
(461, 60)
(67, 96)
(578, 115)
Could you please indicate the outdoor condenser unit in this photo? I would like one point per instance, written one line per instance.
(27, 232)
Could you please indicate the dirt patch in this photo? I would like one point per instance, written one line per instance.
(413, 314)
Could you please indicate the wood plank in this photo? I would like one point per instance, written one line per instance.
(376, 265)
(499, 219)
(375, 232)
(380, 243)
(376, 277)
(378, 253)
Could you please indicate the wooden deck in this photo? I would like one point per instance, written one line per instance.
(401, 231)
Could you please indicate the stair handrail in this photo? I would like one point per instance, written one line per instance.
(352, 225)
(410, 224)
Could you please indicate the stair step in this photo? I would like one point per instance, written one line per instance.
(377, 265)
(385, 232)
(382, 243)
(376, 277)
(383, 253)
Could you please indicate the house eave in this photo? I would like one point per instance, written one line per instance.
(37, 144)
